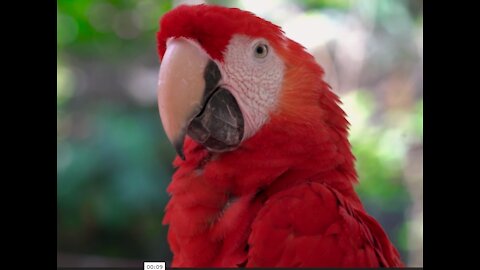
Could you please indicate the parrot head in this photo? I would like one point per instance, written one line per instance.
(227, 76)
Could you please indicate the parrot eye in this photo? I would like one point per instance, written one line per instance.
(261, 50)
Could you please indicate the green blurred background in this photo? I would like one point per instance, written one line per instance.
(114, 161)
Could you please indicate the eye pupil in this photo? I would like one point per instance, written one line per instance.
(261, 51)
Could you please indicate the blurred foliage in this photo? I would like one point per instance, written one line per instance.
(114, 161)
(380, 152)
(109, 183)
(108, 28)
(323, 4)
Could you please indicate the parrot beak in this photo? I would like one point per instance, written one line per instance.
(191, 102)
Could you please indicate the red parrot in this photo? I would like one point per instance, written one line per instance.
(265, 174)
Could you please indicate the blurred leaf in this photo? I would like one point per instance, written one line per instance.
(323, 4)
(67, 29)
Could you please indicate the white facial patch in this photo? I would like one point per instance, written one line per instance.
(254, 78)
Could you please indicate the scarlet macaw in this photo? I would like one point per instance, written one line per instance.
(265, 172)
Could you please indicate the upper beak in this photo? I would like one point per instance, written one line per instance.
(180, 88)
(191, 101)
